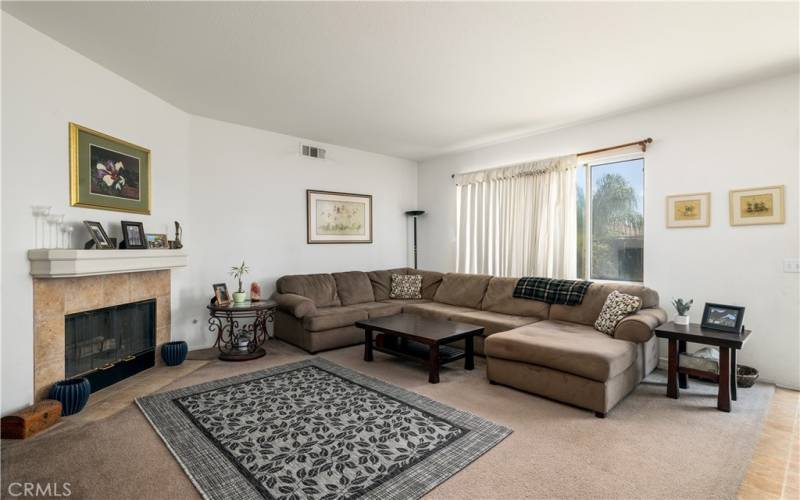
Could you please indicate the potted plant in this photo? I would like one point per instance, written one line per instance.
(682, 307)
(238, 273)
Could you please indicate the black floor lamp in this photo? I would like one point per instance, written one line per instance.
(415, 214)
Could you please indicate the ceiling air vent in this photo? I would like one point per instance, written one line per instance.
(312, 151)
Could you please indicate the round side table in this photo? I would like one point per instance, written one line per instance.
(239, 339)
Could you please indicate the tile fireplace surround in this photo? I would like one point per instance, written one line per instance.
(53, 298)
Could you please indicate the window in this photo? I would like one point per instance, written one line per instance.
(611, 220)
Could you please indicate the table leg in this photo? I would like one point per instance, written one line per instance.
(367, 345)
(734, 374)
(469, 353)
(683, 379)
(433, 361)
(672, 370)
(724, 394)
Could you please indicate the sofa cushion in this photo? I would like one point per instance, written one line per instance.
(431, 280)
(568, 347)
(617, 306)
(327, 318)
(435, 310)
(380, 309)
(493, 322)
(406, 286)
(461, 289)
(320, 288)
(499, 298)
(381, 281)
(587, 312)
(353, 287)
(406, 301)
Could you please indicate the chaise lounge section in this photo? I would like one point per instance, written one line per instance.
(550, 350)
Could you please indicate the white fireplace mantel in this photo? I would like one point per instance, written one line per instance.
(67, 263)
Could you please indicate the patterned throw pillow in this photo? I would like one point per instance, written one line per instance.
(617, 306)
(406, 286)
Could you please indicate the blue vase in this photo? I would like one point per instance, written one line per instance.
(72, 393)
(174, 353)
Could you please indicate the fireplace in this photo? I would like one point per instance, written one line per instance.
(55, 299)
(109, 344)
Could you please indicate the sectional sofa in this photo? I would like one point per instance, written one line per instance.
(549, 350)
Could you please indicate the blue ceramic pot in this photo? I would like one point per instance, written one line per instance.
(72, 393)
(174, 353)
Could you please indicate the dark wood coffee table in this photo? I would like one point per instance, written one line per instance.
(728, 344)
(421, 339)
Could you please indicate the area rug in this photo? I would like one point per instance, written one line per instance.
(314, 429)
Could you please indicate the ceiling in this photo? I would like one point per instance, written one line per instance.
(416, 80)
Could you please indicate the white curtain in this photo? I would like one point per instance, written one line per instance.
(519, 220)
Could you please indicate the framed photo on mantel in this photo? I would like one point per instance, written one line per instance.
(107, 173)
(338, 217)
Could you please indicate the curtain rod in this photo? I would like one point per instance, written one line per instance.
(643, 144)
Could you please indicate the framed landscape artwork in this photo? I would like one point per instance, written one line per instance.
(108, 173)
(338, 217)
(689, 210)
(757, 206)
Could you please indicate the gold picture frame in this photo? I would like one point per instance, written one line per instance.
(333, 217)
(763, 205)
(689, 210)
(107, 173)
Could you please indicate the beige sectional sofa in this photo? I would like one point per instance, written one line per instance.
(549, 350)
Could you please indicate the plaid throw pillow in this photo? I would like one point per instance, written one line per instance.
(617, 306)
(406, 286)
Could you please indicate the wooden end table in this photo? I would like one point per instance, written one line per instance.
(421, 339)
(728, 344)
(241, 328)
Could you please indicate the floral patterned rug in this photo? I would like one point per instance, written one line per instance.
(314, 429)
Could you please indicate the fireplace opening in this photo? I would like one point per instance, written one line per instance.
(109, 344)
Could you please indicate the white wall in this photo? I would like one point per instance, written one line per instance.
(738, 138)
(249, 202)
(238, 192)
(46, 86)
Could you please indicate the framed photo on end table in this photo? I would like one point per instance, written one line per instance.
(723, 318)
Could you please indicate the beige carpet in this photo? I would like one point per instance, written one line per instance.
(648, 447)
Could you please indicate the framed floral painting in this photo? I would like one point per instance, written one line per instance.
(108, 173)
(338, 217)
(689, 210)
(757, 206)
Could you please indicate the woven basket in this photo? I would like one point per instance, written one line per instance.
(746, 376)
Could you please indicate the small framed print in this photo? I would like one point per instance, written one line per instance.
(221, 294)
(723, 318)
(101, 239)
(338, 217)
(689, 210)
(757, 206)
(133, 235)
(158, 241)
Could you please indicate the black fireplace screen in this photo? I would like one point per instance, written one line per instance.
(99, 338)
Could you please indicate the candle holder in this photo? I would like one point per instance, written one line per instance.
(66, 231)
(40, 212)
(53, 221)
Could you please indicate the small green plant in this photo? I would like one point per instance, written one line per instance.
(682, 306)
(238, 273)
